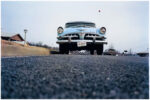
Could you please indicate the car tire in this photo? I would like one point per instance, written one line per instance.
(66, 51)
(92, 52)
(100, 49)
(63, 49)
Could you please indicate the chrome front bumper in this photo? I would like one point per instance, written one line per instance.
(75, 41)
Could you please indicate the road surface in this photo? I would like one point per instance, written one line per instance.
(75, 76)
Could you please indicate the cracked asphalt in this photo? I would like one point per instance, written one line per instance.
(75, 77)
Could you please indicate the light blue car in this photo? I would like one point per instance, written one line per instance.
(81, 35)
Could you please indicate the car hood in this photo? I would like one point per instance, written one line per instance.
(79, 30)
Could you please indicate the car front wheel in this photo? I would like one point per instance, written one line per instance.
(100, 49)
(63, 49)
(92, 52)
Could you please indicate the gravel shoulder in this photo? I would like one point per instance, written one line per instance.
(75, 77)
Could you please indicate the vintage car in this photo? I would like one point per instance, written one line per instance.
(81, 35)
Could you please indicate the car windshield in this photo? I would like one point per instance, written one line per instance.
(68, 25)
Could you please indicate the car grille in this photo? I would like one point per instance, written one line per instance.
(89, 36)
(76, 36)
(73, 36)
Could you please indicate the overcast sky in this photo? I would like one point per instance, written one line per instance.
(126, 22)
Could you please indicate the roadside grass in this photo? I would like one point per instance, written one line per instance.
(9, 48)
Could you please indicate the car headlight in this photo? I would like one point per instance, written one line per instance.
(60, 30)
(103, 30)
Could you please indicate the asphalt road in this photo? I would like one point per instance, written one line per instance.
(75, 76)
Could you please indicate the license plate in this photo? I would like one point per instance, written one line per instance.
(81, 44)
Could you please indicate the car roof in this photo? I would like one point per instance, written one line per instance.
(80, 22)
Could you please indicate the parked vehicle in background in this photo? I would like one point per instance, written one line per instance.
(143, 54)
(81, 35)
(110, 52)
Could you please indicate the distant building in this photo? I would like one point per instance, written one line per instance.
(11, 37)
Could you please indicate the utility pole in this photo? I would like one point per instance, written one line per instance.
(25, 31)
(130, 51)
